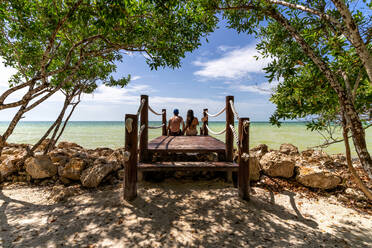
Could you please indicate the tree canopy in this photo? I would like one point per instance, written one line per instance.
(54, 43)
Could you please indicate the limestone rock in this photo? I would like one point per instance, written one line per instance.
(319, 156)
(93, 176)
(43, 145)
(277, 164)
(59, 157)
(73, 169)
(311, 175)
(8, 166)
(69, 145)
(288, 149)
(101, 151)
(116, 157)
(40, 167)
(339, 159)
(356, 194)
(307, 153)
(260, 150)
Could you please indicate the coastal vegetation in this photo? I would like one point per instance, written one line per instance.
(321, 56)
(70, 46)
(321, 60)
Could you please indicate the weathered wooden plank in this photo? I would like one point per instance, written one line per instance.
(243, 175)
(201, 166)
(229, 138)
(186, 144)
(144, 120)
(130, 175)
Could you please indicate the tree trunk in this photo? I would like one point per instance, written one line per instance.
(345, 101)
(54, 140)
(358, 181)
(353, 35)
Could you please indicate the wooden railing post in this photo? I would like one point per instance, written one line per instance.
(243, 173)
(205, 123)
(229, 138)
(144, 120)
(130, 157)
(164, 122)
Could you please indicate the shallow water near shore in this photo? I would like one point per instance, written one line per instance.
(92, 134)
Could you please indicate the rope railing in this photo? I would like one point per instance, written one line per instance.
(156, 127)
(215, 115)
(236, 137)
(233, 109)
(141, 106)
(154, 112)
(215, 133)
(141, 130)
(245, 125)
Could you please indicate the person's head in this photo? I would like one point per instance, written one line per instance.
(190, 117)
(176, 112)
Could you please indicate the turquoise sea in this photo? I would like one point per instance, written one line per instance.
(91, 134)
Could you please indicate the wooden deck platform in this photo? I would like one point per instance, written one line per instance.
(186, 144)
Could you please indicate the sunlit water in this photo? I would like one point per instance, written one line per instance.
(111, 134)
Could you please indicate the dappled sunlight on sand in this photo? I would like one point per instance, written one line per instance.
(174, 214)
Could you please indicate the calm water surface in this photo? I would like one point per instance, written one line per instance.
(111, 134)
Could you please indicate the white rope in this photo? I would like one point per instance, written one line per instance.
(215, 133)
(215, 115)
(245, 126)
(236, 137)
(157, 126)
(234, 110)
(141, 106)
(154, 112)
(141, 130)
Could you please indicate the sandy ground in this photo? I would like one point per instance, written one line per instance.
(177, 214)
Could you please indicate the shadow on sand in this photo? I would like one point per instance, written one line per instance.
(177, 214)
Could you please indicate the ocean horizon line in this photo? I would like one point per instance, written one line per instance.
(149, 121)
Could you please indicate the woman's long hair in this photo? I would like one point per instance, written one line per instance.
(190, 117)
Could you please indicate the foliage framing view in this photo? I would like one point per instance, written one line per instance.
(322, 52)
(70, 45)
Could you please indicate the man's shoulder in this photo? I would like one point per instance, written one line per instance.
(176, 118)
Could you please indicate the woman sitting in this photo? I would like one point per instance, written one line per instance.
(191, 124)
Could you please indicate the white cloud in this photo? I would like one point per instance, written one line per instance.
(265, 88)
(134, 78)
(227, 48)
(235, 64)
(128, 95)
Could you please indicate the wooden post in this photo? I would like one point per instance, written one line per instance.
(229, 138)
(243, 173)
(164, 121)
(144, 115)
(130, 170)
(205, 123)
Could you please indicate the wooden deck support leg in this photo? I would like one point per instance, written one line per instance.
(229, 138)
(130, 170)
(139, 176)
(243, 172)
(205, 122)
(229, 176)
(144, 120)
(164, 122)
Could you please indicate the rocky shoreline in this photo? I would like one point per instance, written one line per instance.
(70, 164)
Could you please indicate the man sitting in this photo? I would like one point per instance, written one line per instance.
(175, 123)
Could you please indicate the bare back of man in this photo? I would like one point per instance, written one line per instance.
(174, 125)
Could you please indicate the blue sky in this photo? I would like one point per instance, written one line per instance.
(223, 66)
